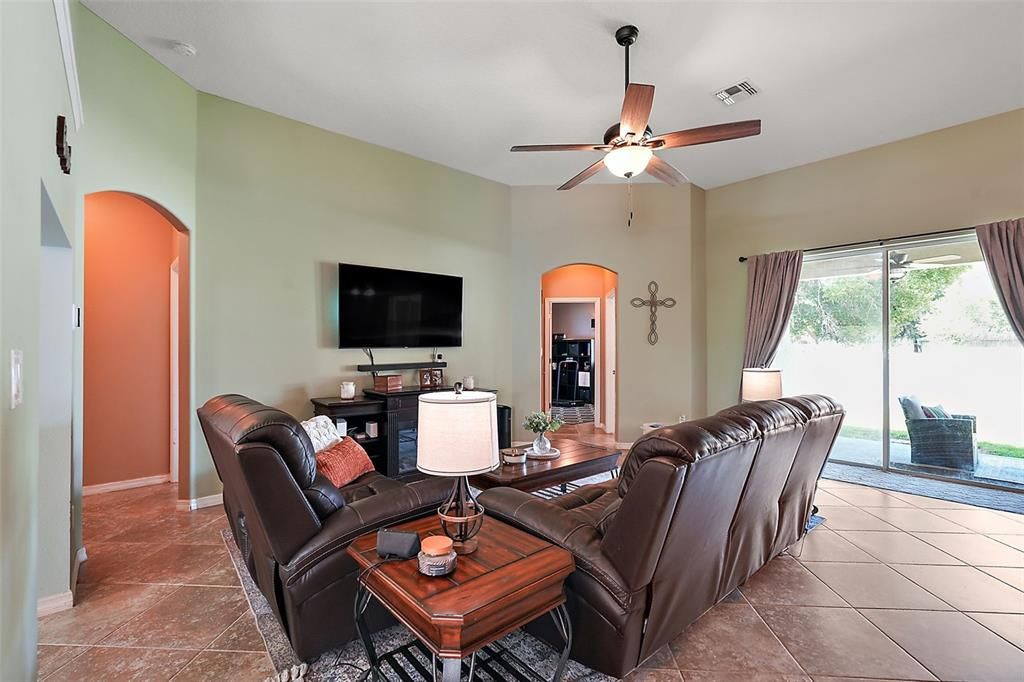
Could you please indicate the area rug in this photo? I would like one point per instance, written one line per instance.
(347, 663)
(1003, 500)
(584, 414)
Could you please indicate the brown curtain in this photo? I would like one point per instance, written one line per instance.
(772, 279)
(1002, 244)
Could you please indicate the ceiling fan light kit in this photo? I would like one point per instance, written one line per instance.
(628, 161)
(629, 145)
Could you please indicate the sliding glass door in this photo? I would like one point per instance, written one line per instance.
(911, 338)
(834, 347)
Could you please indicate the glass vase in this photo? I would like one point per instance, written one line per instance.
(541, 444)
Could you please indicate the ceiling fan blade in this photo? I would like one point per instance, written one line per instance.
(664, 171)
(636, 109)
(586, 173)
(715, 133)
(561, 148)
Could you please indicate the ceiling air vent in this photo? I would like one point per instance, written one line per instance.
(736, 93)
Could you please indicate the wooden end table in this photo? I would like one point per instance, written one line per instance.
(511, 579)
(578, 460)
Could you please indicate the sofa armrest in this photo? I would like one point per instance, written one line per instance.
(559, 526)
(366, 516)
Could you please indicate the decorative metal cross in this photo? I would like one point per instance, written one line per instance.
(653, 302)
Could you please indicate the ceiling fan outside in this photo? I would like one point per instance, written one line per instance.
(629, 145)
(900, 263)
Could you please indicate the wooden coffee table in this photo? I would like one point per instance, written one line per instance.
(511, 579)
(578, 460)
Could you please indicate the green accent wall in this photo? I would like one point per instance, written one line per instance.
(281, 204)
(34, 92)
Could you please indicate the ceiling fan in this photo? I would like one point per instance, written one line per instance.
(900, 263)
(629, 145)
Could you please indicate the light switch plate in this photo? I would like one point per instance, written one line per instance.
(17, 391)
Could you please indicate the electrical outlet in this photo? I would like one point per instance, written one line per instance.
(17, 391)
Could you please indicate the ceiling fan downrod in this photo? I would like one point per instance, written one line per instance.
(626, 36)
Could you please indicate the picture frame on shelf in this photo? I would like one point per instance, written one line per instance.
(426, 378)
(436, 378)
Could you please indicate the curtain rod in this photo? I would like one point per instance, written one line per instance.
(879, 242)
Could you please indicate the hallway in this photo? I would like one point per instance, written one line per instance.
(158, 598)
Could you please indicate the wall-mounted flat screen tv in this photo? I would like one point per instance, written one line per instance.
(384, 308)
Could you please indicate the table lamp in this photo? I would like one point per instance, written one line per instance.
(761, 383)
(458, 438)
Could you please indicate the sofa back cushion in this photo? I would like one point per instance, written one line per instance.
(756, 521)
(824, 417)
(716, 454)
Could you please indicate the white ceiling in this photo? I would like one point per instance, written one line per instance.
(460, 82)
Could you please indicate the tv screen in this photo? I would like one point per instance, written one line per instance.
(384, 308)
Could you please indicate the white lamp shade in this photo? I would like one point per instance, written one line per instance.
(457, 433)
(627, 161)
(762, 384)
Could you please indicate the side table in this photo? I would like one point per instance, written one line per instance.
(511, 579)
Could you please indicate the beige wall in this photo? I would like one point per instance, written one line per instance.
(957, 177)
(280, 204)
(588, 225)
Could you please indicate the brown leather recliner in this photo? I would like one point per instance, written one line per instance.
(292, 525)
(697, 509)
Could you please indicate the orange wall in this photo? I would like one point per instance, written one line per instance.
(571, 281)
(129, 248)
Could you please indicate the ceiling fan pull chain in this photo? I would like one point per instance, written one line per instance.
(629, 203)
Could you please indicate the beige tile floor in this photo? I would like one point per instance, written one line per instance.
(892, 587)
(158, 599)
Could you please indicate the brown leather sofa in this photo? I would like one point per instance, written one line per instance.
(697, 509)
(292, 525)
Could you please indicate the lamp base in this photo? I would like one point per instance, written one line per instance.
(465, 547)
(461, 517)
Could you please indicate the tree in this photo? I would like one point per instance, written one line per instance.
(848, 310)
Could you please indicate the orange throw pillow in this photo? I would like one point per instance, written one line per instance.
(344, 462)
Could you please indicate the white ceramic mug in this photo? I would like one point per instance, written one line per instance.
(468, 382)
(347, 390)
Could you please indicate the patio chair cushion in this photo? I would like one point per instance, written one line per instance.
(912, 409)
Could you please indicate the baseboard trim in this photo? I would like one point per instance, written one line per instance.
(124, 485)
(55, 603)
(199, 502)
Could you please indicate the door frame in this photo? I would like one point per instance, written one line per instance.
(546, 372)
(611, 364)
(174, 309)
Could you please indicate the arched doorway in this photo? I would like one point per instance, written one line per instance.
(136, 340)
(578, 333)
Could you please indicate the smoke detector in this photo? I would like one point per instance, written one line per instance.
(736, 93)
(183, 48)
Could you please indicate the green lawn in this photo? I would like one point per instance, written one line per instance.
(868, 433)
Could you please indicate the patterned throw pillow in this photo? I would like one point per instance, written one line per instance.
(940, 412)
(929, 412)
(322, 432)
(344, 462)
